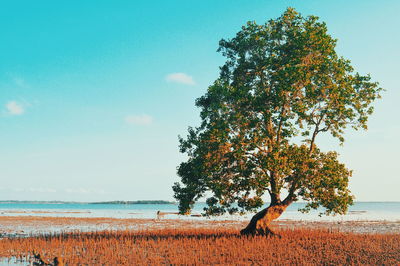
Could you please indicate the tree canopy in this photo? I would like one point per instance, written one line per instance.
(281, 86)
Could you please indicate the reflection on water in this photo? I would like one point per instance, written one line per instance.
(14, 261)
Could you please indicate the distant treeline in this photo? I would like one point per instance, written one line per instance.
(74, 202)
(135, 202)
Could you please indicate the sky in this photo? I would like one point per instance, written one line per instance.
(93, 94)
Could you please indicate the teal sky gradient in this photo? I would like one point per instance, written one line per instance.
(87, 112)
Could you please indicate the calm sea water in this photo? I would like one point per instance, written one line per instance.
(389, 211)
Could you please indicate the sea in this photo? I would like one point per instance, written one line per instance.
(360, 211)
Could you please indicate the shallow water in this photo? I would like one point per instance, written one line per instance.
(13, 261)
(389, 211)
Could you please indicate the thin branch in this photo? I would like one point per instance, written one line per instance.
(314, 135)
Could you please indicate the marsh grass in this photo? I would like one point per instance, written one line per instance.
(208, 246)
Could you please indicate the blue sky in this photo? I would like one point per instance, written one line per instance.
(93, 94)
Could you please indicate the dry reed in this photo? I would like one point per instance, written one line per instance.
(208, 246)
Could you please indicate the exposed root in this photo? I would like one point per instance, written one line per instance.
(259, 223)
(265, 231)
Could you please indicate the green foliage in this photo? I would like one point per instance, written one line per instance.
(281, 86)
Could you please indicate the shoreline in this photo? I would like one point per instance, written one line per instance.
(25, 226)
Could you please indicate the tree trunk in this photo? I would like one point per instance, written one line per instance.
(259, 224)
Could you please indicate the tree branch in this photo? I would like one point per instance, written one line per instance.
(274, 193)
(314, 135)
(291, 196)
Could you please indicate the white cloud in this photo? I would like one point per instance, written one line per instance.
(42, 190)
(85, 190)
(180, 78)
(14, 108)
(139, 119)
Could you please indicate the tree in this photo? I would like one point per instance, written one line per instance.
(282, 85)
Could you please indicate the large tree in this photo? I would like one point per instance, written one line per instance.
(281, 87)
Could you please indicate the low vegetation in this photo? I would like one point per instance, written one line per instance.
(134, 202)
(207, 246)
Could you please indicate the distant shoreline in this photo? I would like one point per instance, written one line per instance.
(135, 202)
(130, 202)
(117, 202)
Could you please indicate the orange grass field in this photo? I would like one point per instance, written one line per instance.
(208, 246)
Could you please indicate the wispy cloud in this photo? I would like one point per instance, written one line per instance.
(81, 190)
(142, 120)
(20, 82)
(14, 108)
(180, 78)
(35, 189)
